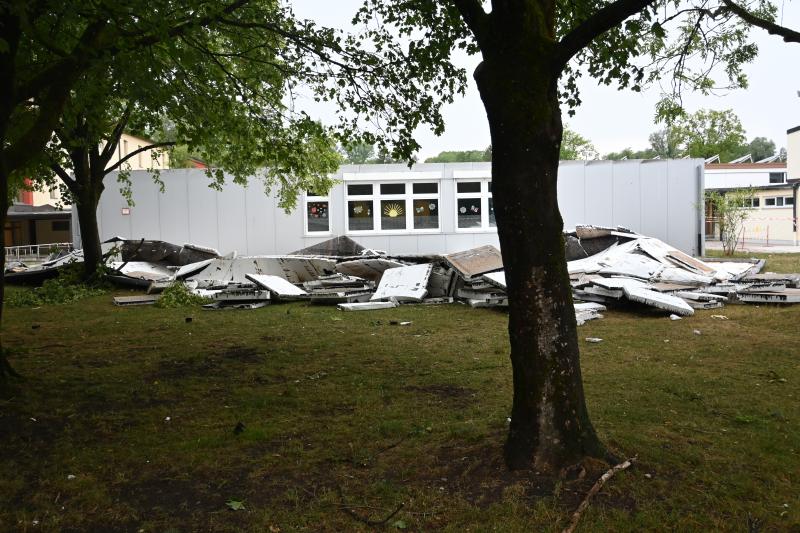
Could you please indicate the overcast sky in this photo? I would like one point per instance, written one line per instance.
(614, 119)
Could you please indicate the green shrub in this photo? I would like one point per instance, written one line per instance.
(66, 288)
(177, 295)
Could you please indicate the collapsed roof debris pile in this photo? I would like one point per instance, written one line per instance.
(607, 267)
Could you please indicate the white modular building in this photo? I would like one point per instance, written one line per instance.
(429, 208)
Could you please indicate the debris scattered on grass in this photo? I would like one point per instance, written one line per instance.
(594, 339)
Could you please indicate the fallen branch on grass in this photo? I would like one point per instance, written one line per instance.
(346, 508)
(576, 516)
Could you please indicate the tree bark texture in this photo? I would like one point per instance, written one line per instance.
(550, 425)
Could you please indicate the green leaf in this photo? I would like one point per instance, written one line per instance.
(235, 505)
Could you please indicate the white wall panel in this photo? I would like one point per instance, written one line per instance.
(657, 198)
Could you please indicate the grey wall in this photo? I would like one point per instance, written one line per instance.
(659, 198)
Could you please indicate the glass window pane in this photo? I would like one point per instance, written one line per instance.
(426, 188)
(769, 201)
(469, 212)
(492, 223)
(360, 189)
(779, 201)
(359, 215)
(393, 188)
(789, 200)
(393, 214)
(317, 215)
(490, 186)
(755, 202)
(426, 214)
(469, 186)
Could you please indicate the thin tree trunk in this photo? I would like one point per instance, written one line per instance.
(86, 205)
(550, 426)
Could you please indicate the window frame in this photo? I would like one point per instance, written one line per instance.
(407, 198)
(776, 199)
(484, 195)
(782, 175)
(316, 198)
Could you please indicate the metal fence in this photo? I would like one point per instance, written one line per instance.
(35, 252)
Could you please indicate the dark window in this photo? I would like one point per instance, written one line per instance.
(393, 214)
(756, 202)
(469, 186)
(777, 177)
(359, 215)
(469, 212)
(492, 223)
(359, 190)
(393, 188)
(779, 201)
(426, 214)
(490, 186)
(789, 200)
(426, 188)
(769, 202)
(317, 213)
(60, 225)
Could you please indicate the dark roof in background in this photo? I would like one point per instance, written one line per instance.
(792, 130)
(748, 166)
(28, 212)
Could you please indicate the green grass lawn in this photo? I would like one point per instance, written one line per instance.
(346, 411)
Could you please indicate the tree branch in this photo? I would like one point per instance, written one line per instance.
(603, 20)
(116, 133)
(474, 17)
(63, 174)
(789, 35)
(136, 152)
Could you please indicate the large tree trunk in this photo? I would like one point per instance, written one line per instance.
(550, 426)
(6, 369)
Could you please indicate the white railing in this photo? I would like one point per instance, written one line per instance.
(35, 252)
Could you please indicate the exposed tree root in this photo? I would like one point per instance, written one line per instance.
(375, 523)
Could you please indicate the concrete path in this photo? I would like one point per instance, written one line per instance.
(757, 248)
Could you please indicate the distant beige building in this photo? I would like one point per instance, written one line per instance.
(152, 159)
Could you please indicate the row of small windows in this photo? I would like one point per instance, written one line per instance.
(771, 201)
(403, 207)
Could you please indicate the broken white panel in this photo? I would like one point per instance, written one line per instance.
(705, 305)
(276, 285)
(136, 300)
(659, 300)
(619, 283)
(368, 268)
(366, 306)
(602, 291)
(701, 296)
(731, 269)
(192, 268)
(241, 295)
(764, 287)
(295, 269)
(142, 270)
(498, 279)
(407, 284)
(589, 307)
(789, 296)
(632, 265)
(497, 301)
(680, 275)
